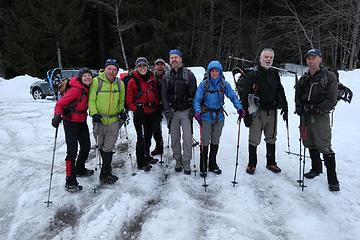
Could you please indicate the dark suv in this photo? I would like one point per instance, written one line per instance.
(43, 88)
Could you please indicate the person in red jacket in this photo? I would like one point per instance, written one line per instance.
(72, 109)
(143, 100)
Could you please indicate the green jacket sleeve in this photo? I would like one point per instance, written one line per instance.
(92, 97)
(122, 96)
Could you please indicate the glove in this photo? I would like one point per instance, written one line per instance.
(139, 109)
(248, 119)
(97, 118)
(123, 116)
(56, 121)
(169, 114)
(241, 113)
(284, 113)
(311, 109)
(299, 110)
(198, 117)
(191, 113)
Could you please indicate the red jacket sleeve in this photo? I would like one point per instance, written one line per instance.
(72, 94)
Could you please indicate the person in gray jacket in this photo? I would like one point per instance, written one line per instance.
(178, 88)
(315, 96)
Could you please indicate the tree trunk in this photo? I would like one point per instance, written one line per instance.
(101, 33)
(58, 54)
(354, 37)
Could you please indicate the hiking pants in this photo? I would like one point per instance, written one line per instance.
(144, 129)
(264, 120)
(316, 132)
(107, 136)
(181, 121)
(157, 128)
(211, 132)
(76, 132)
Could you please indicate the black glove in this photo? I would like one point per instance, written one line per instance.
(97, 118)
(299, 110)
(139, 109)
(284, 113)
(311, 109)
(56, 121)
(191, 113)
(169, 115)
(248, 119)
(123, 116)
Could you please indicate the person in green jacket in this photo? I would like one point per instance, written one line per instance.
(106, 107)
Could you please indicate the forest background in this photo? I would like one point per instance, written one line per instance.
(38, 35)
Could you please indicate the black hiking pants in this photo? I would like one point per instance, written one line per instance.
(143, 123)
(157, 129)
(77, 133)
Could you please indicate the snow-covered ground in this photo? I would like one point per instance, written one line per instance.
(147, 206)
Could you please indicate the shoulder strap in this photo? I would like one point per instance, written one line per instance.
(119, 85)
(139, 90)
(100, 83)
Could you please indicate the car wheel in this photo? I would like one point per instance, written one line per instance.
(37, 94)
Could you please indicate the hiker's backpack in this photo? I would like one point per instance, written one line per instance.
(345, 93)
(240, 81)
(220, 92)
(63, 87)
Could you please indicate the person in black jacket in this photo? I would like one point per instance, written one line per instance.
(159, 73)
(263, 94)
(316, 95)
(178, 88)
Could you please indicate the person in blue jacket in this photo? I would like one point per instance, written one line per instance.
(209, 112)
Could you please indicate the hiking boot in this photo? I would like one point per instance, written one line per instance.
(213, 167)
(203, 174)
(311, 174)
(274, 168)
(178, 166)
(187, 168)
(250, 169)
(72, 185)
(157, 151)
(107, 179)
(84, 172)
(113, 176)
(203, 158)
(146, 168)
(153, 160)
(334, 187)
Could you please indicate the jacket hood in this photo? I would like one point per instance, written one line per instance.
(217, 65)
(75, 82)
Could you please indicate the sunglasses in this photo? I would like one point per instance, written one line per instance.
(111, 61)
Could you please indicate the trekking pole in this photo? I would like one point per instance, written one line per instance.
(52, 168)
(193, 148)
(203, 159)
(301, 179)
(193, 145)
(128, 146)
(98, 155)
(287, 133)
(167, 155)
(234, 182)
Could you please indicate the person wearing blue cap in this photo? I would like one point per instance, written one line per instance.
(209, 112)
(316, 95)
(178, 88)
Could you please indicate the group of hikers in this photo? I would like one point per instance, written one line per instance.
(174, 94)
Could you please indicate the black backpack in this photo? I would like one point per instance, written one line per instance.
(240, 82)
(345, 93)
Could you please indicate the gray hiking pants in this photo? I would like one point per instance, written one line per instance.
(211, 132)
(107, 135)
(263, 120)
(181, 120)
(316, 132)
